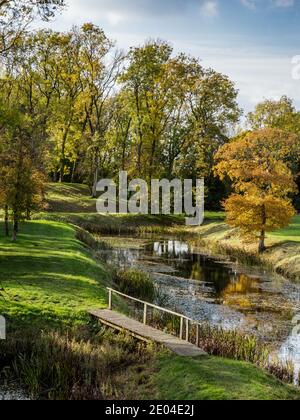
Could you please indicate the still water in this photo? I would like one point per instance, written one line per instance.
(223, 294)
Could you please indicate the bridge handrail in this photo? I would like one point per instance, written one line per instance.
(151, 305)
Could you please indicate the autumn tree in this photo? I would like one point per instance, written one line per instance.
(257, 165)
(145, 84)
(17, 15)
(180, 112)
(279, 114)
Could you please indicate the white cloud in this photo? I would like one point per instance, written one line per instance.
(210, 8)
(258, 74)
(253, 4)
(114, 18)
(250, 4)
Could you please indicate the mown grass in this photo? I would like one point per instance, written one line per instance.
(216, 379)
(49, 280)
(289, 234)
(48, 277)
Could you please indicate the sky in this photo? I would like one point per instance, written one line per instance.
(251, 41)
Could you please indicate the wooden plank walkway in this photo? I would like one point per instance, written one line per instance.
(146, 333)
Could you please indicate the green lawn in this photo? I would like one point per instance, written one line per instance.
(179, 378)
(48, 276)
(69, 198)
(290, 234)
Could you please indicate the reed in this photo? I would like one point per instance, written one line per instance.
(76, 365)
(135, 283)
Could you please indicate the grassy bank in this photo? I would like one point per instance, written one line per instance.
(216, 379)
(48, 281)
(48, 277)
(283, 246)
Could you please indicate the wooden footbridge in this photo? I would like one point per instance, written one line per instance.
(179, 345)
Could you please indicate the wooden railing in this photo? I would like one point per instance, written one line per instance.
(184, 321)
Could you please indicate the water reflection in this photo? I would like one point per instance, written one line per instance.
(188, 264)
(290, 351)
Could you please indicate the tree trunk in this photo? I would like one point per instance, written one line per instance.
(6, 221)
(262, 246)
(62, 171)
(63, 157)
(96, 176)
(73, 171)
(15, 228)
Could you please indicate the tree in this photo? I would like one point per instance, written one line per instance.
(145, 84)
(256, 164)
(100, 68)
(180, 112)
(22, 178)
(283, 115)
(271, 114)
(16, 15)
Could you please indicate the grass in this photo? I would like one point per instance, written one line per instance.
(85, 364)
(69, 198)
(216, 379)
(48, 277)
(283, 246)
(290, 234)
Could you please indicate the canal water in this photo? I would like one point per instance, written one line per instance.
(222, 293)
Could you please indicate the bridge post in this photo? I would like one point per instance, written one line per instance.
(145, 313)
(187, 330)
(110, 300)
(181, 328)
(198, 335)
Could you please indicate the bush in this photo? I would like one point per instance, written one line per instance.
(136, 284)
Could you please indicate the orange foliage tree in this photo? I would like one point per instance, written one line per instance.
(259, 165)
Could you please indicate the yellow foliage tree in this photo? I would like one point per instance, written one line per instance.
(258, 166)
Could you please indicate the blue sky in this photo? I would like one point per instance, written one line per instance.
(252, 41)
